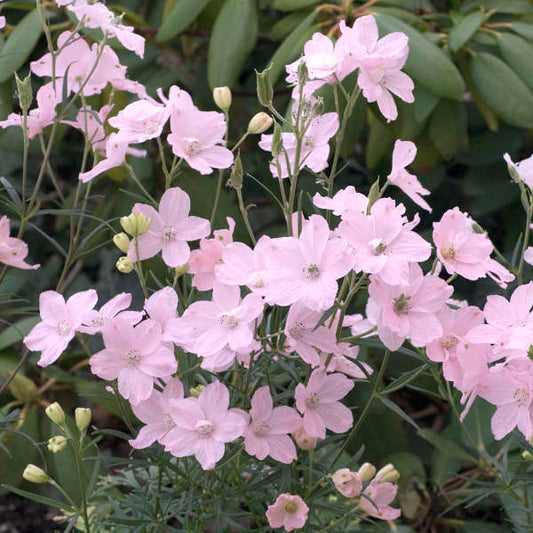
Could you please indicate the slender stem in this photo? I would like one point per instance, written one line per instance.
(244, 214)
(134, 177)
(217, 196)
(526, 237)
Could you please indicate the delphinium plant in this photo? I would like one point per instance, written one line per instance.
(235, 377)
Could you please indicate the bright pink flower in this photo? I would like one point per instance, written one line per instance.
(196, 136)
(155, 413)
(134, 356)
(407, 310)
(266, 433)
(226, 320)
(288, 511)
(346, 199)
(203, 262)
(13, 251)
(349, 484)
(306, 269)
(170, 229)
(404, 154)
(204, 425)
(91, 124)
(94, 321)
(60, 321)
(380, 495)
(319, 403)
(464, 251)
(524, 169)
(383, 242)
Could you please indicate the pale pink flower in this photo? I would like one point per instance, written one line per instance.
(407, 310)
(346, 199)
(320, 406)
(321, 59)
(380, 494)
(170, 230)
(162, 307)
(155, 413)
(60, 322)
(226, 357)
(226, 320)
(528, 255)
(359, 325)
(288, 511)
(267, 432)
(204, 425)
(134, 356)
(523, 168)
(349, 484)
(306, 269)
(2, 22)
(303, 440)
(404, 154)
(91, 124)
(203, 262)
(464, 251)
(383, 242)
(13, 251)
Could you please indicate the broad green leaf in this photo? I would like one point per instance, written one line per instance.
(461, 32)
(425, 102)
(179, 18)
(502, 89)
(380, 138)
(503, 6)
(518, 53)
(16, 332)
(291, 46)
(447, 128)
(525, 29)
(445, 445)
(292, 5)
(233, 38)
(284, 26)
(20, 45)
(427, 63)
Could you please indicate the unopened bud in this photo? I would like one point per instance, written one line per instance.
(34, 474)
(183, 269)
(23, 389)
(318, 108)
(82, 415)
(237, 173)
(303, 73)
(24, 92)
(277, 141)
(55, 413)
(332, 498)
(373, 195)
(196, 391)
(222, 97)
(259, 123)
(124, 264)
(57, 444)
(135, 224)
(265, 92)
(477, 228)
(122, 242)
(388, 473)
(367, 472)
(304, 441)
(527, 455)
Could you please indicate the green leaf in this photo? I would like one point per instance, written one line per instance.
(37, 497)
(518, 54)
(447, 128)
(404, 379)
(399, 411)
(20, 44)
(425, 102)
(445, 445)
(284, 26)
(291, 46)
(292, 5)
(525, 29)
(233, 38)
(427, 63)
(380, 138)
(179, 18)
(502, 89)
(16, 332)
(463, 31)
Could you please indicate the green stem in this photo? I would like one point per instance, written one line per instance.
(244, 214)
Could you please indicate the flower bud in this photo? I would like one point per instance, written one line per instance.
(183, 269)
(23, 389)
(277, 141)
(122, 242)
(34, 474)
(265, 92)
(24, 92)
(222, 97)
(388, 473)
(55, 413)
(82, 416)
(367, 472)
(303, 73)
(196, 391)
(135, 224)
(527, 455)
(303, 440)
(259, 123)
(57, 444)
(348, 483)
(237, 173)
(124, 264)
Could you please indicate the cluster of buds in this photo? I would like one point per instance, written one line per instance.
(350, 484)
(135, 224)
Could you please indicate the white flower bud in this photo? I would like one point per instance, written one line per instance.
(122, 242)
(82, 416)
(55, 413)
(388, 473)
(259, 123)
(34, 474)
(57, 444)
(367, 471)
(124, 264)
(222, 97)
(136, 224)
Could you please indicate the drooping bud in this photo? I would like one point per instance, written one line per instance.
(122, 242)
(259, 123)
(388, 473)
(222, 97)
(136, 224)
(304, 441)
(196, 391)
(82, 415)
(124, 264)
(34, 474)
(265, 92)
(23, 389)
(237, 173)
(55, 413)
(57, 444)
(277, 141)
(367, 472)
(24, 92)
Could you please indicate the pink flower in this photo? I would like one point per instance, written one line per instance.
(95, 321)
(226, 357)
(91, 124)
(383, 242)
(134, 356)
(155, 413)
(464, 251)
(349, 484)
(322, 60)
(204, 425)
(524, 169)
(319, 403)
(60, 321)
(288, 511)
(403, 155)
(407, 310)
(303, 440)
(170, 230)
(162, 307)
(196, 136)
(13, 251)
(380, 495)
(306, 269)
(266, 433)
(346, 199)
(226, 320)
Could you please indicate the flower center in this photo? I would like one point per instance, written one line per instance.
(522, 398)
(261, 429)
(377, 246)
(169, 233)
(448, 253)
(311, 271)
(63, 328)
(297, 331)
(312, 400)
(257, 279)
(401, 304)
(291, 507)
(204, 428)
(308, 142)
(449, 342)
(150, 126)
(133, 358)
(229, 320)
(169, 423)
(192, 146)
(98, 321)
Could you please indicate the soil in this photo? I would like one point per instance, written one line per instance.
(18, 515)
